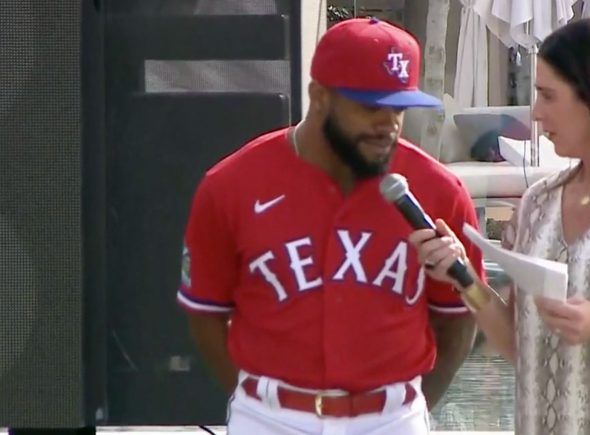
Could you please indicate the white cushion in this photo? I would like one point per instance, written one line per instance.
(453, 146)
(517, 152)
(497, 180)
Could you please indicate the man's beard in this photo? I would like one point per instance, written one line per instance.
(347, 149)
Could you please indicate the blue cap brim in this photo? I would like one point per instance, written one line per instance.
(398, 99)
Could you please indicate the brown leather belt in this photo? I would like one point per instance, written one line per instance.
(348, 405)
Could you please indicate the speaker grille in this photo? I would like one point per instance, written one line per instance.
(40, 230)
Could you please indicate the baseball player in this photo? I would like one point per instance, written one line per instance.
(303, 293)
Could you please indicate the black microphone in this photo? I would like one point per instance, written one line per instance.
(394, 189)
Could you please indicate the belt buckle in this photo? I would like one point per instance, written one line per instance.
(319, 405)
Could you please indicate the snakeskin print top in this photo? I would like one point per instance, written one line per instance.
(552, 377)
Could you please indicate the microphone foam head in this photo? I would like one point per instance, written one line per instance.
(393, 187)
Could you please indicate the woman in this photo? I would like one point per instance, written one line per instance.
(547, 341)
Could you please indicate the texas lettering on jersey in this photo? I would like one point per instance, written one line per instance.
(302, 270)
(391, 275)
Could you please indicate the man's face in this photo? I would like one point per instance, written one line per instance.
(362, 137)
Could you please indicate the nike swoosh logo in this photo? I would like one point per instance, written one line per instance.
(259, 207)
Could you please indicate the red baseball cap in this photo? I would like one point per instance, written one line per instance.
(372, 62)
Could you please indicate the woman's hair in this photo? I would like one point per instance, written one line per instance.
(567, 51)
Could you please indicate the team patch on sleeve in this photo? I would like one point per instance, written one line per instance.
(186, 268)
(184, 295)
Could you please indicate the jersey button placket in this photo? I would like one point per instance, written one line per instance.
(332, 297)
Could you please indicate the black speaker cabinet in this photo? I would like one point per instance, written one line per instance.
(52, 314)
(97, 170)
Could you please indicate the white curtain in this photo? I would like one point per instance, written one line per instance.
(471, 76)
(507, 19)
(586, 9)
(525, 23)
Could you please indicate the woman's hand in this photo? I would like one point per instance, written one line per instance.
(437, 252)
(569, 320)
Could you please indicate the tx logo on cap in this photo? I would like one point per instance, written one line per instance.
(397, 65)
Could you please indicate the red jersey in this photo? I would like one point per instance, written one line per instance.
(323, 288)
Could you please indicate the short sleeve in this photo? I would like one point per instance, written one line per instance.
(209, 266)
(442, 297)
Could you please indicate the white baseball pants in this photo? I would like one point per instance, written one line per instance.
(250, 416)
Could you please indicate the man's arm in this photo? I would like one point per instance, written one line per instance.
(209, 332)
(454, 339)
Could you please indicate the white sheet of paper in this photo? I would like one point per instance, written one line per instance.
(536, 276)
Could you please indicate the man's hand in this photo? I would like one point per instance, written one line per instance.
(437, 251)
(209, 333)
(494, 317)
(570, 320)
